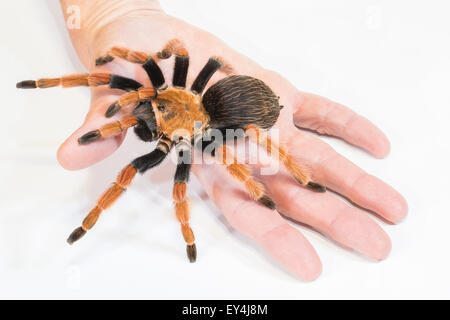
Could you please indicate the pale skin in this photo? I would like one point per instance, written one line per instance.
(143, 26)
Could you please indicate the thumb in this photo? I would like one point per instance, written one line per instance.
(74, 156)
(90, 41)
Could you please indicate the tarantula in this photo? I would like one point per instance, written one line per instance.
(159, 112)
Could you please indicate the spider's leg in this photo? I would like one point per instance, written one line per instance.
(240, 172)
(180, 71)
(123, 180)
(297, 170)
(88, 80)
(149, 62)
(176, 47)
(181, 200)
(122, 53)
(109, 130)
(139, 95)
(213, 64)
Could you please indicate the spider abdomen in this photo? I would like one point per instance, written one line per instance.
(238, 101)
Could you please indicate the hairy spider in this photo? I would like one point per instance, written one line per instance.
(236, 101)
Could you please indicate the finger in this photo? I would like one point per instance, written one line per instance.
(328, 117)
(73, 156)
(341, 175)
(341, 222)
(282, 241)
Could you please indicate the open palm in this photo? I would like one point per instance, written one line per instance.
(148, 31)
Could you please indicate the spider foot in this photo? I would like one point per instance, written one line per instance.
(103, 60)
(164, 54)
(266, 201)
(76, 235)
(191, 250)
(26, 84)
(89, 137)
(313, 186)
(112, 110)
(316, 187)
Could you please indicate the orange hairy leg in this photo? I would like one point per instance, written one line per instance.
(132, 97)
(242, 173)
(105, 201)
(182, 213)
(225, 67)
(172, 47)
(86, 80)
(123, 180)
(108, 130)
(300, 172)
(181, 200)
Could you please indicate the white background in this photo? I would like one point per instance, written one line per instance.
(388, 60)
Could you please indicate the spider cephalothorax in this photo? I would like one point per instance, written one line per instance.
(178, 110)
(176, 117)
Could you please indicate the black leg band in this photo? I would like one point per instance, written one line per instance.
(180, 71)
(123, 83)
(149, 161)
(184, 162)
(154, 72)
(205, 74)
(182, 173)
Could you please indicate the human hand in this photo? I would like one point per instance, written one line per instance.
(142, 26)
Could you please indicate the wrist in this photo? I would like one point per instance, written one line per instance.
(86, 19)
